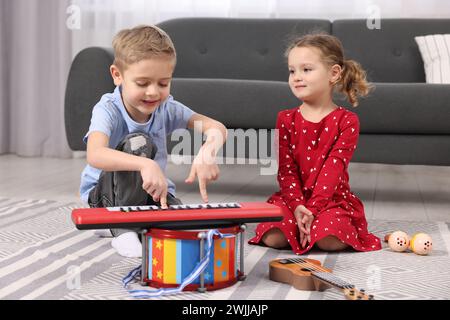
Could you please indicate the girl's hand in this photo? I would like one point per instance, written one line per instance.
(154, 182)
(307, 220)
(205, 168)
(304, 219)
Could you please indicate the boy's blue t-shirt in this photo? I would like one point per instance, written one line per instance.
(110, 117)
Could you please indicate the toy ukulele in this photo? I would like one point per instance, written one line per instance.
(308, 274)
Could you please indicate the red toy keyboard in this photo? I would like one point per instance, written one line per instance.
(186, 216)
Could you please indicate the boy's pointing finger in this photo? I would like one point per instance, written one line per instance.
(163, 200)
(191, 176)
(202, 186)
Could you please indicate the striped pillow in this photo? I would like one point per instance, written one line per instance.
(435, 51)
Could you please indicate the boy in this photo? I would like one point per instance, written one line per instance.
(126, 141)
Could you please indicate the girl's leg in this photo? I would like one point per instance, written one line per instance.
(275, 238)
(331, 243)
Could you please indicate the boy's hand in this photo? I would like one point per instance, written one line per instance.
(205, 168)
(154, 182)
(304, 219)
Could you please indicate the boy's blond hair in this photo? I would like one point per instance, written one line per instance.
(139, 43)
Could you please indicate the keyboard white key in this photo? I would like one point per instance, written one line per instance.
(176, 207)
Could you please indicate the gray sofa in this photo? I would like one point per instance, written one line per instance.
(233, 70)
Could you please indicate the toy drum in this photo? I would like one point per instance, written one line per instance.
(169, 256)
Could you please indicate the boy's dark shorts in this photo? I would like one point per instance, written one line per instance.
(124, 188)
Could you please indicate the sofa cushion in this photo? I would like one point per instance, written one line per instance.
(235, 48)
(389, 54)
(240, 104)
(435, 52)
(392, 108)
(403, 149)
(405, 108)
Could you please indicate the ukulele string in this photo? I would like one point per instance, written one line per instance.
(300, 261)
(315, 267)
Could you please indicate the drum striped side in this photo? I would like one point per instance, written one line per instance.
(158, 260)
(189, 257)
(232, 257)
(170, 261)
(221, 260)
(150, 257)
(209, 271)
(179, 261)
(236, 250)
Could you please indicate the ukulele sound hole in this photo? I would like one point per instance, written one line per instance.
(307, 269)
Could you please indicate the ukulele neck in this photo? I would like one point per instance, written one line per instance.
(348, 289)
(324, 276)
(332, 280)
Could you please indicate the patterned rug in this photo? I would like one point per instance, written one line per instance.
(43, 256)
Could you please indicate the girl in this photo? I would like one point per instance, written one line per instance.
(316, 143)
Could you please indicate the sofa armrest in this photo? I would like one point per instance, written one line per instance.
(89, 79)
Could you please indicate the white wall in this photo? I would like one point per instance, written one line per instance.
(101, 19)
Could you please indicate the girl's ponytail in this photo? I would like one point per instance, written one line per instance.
(353, 82)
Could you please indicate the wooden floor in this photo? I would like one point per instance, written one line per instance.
(393, 192)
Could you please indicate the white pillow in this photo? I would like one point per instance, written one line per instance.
(435, 51)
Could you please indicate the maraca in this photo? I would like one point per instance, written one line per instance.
(421, 243)
(398, 241)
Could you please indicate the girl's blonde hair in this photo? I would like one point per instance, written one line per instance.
(139, 43)
(353, 81)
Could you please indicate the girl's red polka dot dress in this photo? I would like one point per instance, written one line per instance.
(312, 171)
